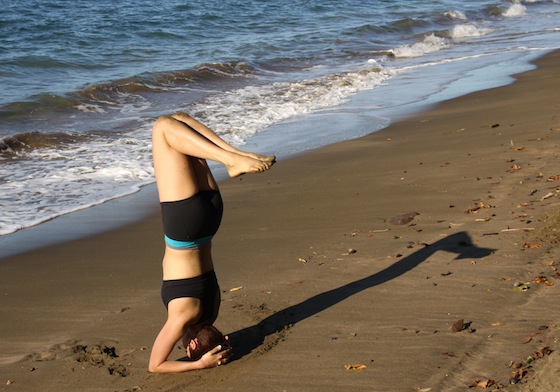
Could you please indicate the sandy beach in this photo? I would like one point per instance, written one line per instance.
(419, 258)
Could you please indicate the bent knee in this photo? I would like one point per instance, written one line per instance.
(179, 115)
(160, 125)
(162, 122)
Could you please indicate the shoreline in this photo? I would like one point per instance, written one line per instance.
(388, 306)
(81, 224)
(356, 118)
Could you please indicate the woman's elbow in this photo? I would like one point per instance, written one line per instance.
(154, 367)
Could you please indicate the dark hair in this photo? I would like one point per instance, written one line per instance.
(208, 337)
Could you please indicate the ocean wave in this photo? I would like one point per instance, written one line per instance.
(66, 173)
(36, 106)
(493, 10)
(213, 72)
(15, 146)
(431, 43)
(241, 113)
(455, 15)
(407, 24)
(401, 25)
(468, 30)
(515, 10)
(126, 95)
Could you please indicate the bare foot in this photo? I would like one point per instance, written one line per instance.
(265, 158)
(246, 164)
(259, 157)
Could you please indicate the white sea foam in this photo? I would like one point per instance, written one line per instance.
(468, 30)
(51, 182)
(515, 10)
(89, 108)
(430, 44)
(249, 110)
(454, 14)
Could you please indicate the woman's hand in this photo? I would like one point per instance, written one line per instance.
(218, 356)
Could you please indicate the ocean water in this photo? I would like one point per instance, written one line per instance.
(81, 82)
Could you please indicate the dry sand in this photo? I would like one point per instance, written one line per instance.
(321, 291)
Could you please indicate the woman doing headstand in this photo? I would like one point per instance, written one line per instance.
(192, 209)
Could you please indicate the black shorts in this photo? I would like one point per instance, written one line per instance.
(204, 287)
(192, 222)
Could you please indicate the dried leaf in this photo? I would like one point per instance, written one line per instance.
(527, 340)
(517, 375)
(549, 194)
(541, 352)
(531, 246)
(355, 367)
(235, 289)
(458, 326)
(480, 205)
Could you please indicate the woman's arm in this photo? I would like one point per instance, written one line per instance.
(169, 335)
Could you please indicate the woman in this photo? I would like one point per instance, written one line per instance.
(191, 211)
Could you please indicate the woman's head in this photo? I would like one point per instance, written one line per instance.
(205, 340)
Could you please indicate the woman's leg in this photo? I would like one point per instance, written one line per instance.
(203, 176)
(174, 142)
(211, 135)
(207, 145)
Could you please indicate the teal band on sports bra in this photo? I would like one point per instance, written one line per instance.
(185, 245)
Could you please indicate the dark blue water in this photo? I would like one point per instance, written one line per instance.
(82, 81)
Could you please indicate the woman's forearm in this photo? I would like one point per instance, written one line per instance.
(174, 367)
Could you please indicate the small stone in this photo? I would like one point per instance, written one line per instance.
(403, 219)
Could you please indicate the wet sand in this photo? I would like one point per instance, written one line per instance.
(321, 289)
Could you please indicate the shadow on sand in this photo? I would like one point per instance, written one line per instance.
(248, 339)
